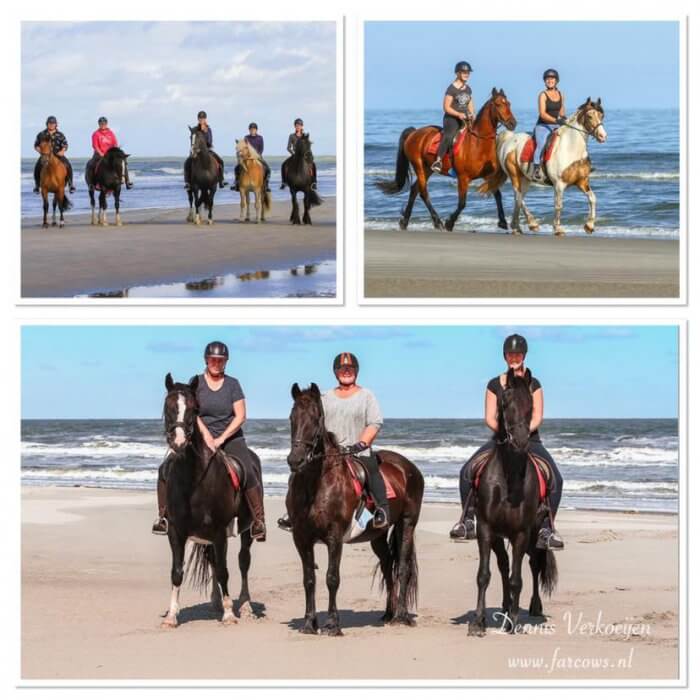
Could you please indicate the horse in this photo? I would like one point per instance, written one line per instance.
(202, 502)
(473, 157)
(508, 507)
(252, 179)
(568, 164)
(52, 179)
(321, 501)
(298, 173)
(204, 177)
(107, 175)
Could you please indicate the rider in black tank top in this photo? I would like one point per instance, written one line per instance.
(552, 107)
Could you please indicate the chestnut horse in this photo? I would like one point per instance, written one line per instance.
(321, 502)
(252, 180)
(475, 158)
(52, 179)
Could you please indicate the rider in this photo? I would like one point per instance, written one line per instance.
(514, 352)
(352, 414)
(459, 107)
(291, 146)
(221, 414)
(258, 143)
(102, 140)
(204, 127)
(59, 145)
(551, 115)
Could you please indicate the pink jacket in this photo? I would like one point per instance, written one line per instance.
(103, 140)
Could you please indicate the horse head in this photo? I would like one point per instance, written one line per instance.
(517, 410)
(198, 142)
(45, 149)
(303, 147)
(590, 116)
(307, 427)
(501, 107)
(180, 412)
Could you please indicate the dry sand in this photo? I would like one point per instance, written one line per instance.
(439, 264)
(158, 246)
(95, 583)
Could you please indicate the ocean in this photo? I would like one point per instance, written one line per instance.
(636, 178)
(158, 184)
(606, 464)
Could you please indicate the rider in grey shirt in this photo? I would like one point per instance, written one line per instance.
(347, 418)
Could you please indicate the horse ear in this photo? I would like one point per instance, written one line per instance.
(315, 391)
(598, 102)
(494, 92)
(296, 391)
(588, 100)
(169, 383)
(194, 382)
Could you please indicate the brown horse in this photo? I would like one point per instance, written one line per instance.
(475, 158)
(252, 179)
(52, 179)
(321, 502)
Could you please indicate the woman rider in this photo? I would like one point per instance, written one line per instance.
(514, 352)
(102, 140)
(551, 113)
(59, 146)
(458, 107)
(352, 414)
(203, 126)
(291, 147)
(221, 414)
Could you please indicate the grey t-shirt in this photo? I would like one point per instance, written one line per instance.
(216, 407)
(347, 418)
(461, 97)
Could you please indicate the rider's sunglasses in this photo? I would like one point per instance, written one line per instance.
(347, 369)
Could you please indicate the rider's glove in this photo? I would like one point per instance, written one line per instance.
(358, 447)
(561, 121)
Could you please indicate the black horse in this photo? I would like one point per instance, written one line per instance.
(107, 174)
(204, 177)
(298, 172)
(508, 507)
(202, 502)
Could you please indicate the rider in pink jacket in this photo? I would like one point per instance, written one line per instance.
(102, 140)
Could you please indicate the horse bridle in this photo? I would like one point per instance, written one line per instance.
(311, 445)
(585, 131)
(188, 430)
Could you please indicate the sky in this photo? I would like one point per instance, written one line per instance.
(628, 64)
(151, 78)
(415, 371)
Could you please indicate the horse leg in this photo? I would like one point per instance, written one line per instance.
(380, 547)
(91, 192)
(306, 553)
(45, 198)
(519, 546)
(117, 217)
(558, 204)
(406, 213)
(585, 187)
(210, 207)
(335, 550)
(295, 210)
(54, 204)
(532, 222)
(477, 627)
(504, 567)
(196, 218)
(535, 609)
(247, 205)
(244, 607)
(61, 209)
(422, 182)
(190, 199)
(103, 208)
(177, 547)
(407, 571)
(220, 547)
(307, 216)
(462, 187)
(502, 223)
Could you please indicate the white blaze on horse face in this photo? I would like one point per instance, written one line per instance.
(179, 438)
(601, 134)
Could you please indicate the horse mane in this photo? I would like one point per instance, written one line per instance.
(115, 152)
(253, 154)
(329, 436)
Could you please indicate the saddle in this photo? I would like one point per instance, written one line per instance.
(234, 469)
(542, 469)
(528, 152)
(434, 145)
(360, 481)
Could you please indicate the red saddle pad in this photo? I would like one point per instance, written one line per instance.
(528, 152)
(357, 485)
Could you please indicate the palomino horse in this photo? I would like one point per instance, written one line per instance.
(297, 172)
(508, 507)
(568, 164)
(204, 177)
(321, 502)
(52, 179)
(201, 502)
(252, 179)
(107, 176)
(475, 157)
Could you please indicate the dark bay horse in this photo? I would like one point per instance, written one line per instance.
(106, 176)
(201, 503)
(476, 158)
(321, 502)
(298, 173)
(204, 177)
(52, 180)
(508, 507)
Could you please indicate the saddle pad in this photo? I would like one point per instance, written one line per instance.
(542, 470)
(528, 152)
(434, 145)
(357, 484)
(232, 468)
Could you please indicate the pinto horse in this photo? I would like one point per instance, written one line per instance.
(475, 157)
(52, 180)
(508, 507)
(568, 164)
(298, 173)
(107, 175)
(202, 502)
(252, 179)
(321, 501)
(204, 177)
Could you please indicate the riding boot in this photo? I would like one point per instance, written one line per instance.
(236, 174)
(69, 178)
(160, 524)
(436, 167)
(377, 488)
(548, 537)
(465, 527)
(254, 498)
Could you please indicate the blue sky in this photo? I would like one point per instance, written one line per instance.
(628, 64)
(151, 78)
(415, 371)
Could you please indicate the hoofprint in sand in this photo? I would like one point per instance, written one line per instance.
(158, 246)
(614, 614)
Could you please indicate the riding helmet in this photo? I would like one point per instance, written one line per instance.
(102, 120)
(550, 73)
(515, 343)
(216, 349)
(201, 114)
(252, 125)
(51, 120)
(345, 359)
(299, 121)
(463, 65)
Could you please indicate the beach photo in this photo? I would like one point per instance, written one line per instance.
(541, 160)
(398, 503)
(179, 160)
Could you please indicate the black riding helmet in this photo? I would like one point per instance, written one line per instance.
(299, 121)
(550, 73)
(201, 114)
(51, 120)
(216, 349)
(102, 120)
(252, 125)
(515, 343)
(346, 359)
(463, 65)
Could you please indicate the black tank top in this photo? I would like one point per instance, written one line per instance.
(552, 107)
(495, 387)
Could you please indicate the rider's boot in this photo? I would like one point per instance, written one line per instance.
(548, 537)
(537, 174)
(381, 516)
(465, 527)
(160, 524)
(254, 498)
(436, 167)
(235, 186)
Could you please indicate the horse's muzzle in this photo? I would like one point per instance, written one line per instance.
(295, 463)
(511, 124)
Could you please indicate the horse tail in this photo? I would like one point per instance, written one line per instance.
(197, 571)
(314, 199)
(493, 183)
(267, 202)
(67, 204)
(549, 575)
(402, 167)
(395, 557)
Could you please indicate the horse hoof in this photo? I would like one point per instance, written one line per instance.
(168, 624)
(559, 232)
(449, 225)
(535, 611)
(229, 619)
(534, 227)
(589, 228)
(503, 224)
(516, 232)
(245, 611)
(406, 620)
(309, 628)
(44, 226)
(210, 222)
(61, 225)
(403, 224)
(53, 223)
(476, 629)
(332, 631)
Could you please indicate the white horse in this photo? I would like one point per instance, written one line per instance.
(568, 164)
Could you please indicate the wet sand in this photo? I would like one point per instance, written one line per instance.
(438, 264)
(158, 247)
(95, 583)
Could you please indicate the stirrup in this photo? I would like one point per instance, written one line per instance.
(261, 534)
(285, 523)
(236, 187)
(380, 514)
(549, 539)
(283, 185)
(160, 526)
(464, 530)
(436, 167)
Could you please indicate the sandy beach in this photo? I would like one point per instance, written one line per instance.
(88, 559)
(157, 246)
(439, 264)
